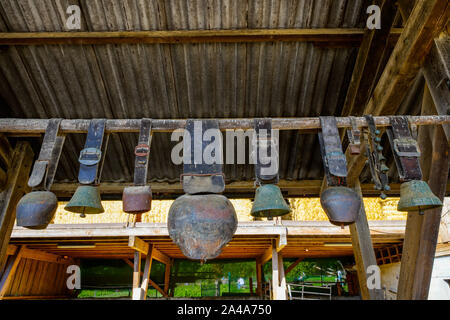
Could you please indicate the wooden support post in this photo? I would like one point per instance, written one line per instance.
(282, 290)
(250, 283)
(275, 271)
(22, 158)
(432, 218)
(259, 290)
(422, 230)
(167, 277)
(137, 276)
(147, 270)
(363, 251)
(10, 269)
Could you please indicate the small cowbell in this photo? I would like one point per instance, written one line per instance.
(341, 204)
(416, 195)
(137, 199)
(86, 200)
(269, 202)
(36, 209)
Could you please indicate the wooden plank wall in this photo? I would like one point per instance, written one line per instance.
(34, 278)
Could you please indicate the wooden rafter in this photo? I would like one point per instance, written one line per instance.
(327, 37)
(368, 61)
(16, 185)
(427, 20)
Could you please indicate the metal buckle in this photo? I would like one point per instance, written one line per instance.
(406, 143)
(90, 156)
(142, 150)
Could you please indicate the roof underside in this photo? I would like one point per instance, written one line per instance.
(208, 80)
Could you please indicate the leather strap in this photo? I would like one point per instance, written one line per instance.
(198, 175)
(91, 155)
(266, 172)
(405, 149)
(45, 166)
(142, 153)
(334, 161)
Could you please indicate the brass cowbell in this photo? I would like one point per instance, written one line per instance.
(269, 202)
(86, 200)
(416, 195)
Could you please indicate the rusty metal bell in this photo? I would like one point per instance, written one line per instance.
(341, 204)
(416, 195)
(36, 209)
(269, 202)
(201, 225)
(86, 200)
(137, 199)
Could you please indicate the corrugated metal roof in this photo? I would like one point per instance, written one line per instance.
(208, 80)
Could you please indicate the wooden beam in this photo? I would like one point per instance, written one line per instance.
(437, 74)
(275, 271)
(363, 252)
(146, 277)
(22, 158)
(431, 220)
(282, 290)
(158, 288)
(291, 188)
(294, 264)
(368, 61)
(138, 244)
(427, 20)
(279, 243)
(259, 277)
(137, 285)
(245, 229)
(44, 256)
(137, 275)
(324, 37)
(167, 276)
(10, 269)
(161, 257)
(17, 126)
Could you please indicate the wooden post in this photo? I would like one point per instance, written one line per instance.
(259, 291)
(16, 186)
(422, 230)
(167, 276)
(432, 218)
(275, 271)
(363, 251)
(146, 276)
(250, 284)
(137, 276)
(282, 283)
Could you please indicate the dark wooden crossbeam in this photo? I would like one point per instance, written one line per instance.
(38, 126)
(324, 37)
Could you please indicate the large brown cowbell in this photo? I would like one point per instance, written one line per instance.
(341, 204)
(201, 225)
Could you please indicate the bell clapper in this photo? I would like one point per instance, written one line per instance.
(83, 215)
